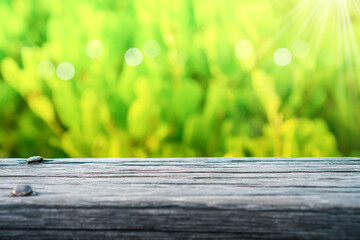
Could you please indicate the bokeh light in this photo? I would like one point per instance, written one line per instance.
(46, 69)
(65, 71)
(133, 57)
(94, 48)
(282, 57)
(300, 48)
(151, 48)
(243, 49)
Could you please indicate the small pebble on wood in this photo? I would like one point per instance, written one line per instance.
(21, 191)
(34, 159)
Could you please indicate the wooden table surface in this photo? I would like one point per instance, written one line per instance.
(197, 198)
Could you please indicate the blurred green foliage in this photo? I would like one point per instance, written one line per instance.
(195, 99)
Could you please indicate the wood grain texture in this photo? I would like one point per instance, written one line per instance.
(191, 198)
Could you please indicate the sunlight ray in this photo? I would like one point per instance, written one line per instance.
(299, 11)
(354, 49)
(320, 28)
(357, 7)
(305, 24)
(293, 12)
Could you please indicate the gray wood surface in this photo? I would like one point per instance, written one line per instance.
(191, 198)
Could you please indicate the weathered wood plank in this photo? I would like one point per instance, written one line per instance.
(254, 198)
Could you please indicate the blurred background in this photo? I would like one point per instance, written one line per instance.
(137, 78)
